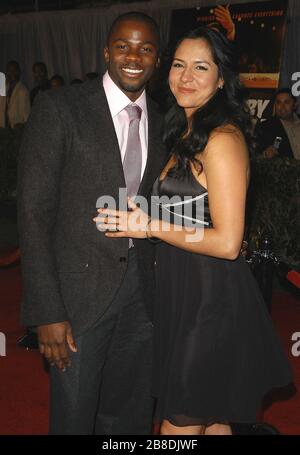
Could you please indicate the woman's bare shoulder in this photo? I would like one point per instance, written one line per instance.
(226, 140)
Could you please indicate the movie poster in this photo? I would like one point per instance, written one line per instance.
(257, 30)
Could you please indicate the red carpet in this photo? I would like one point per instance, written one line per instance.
(24, 383)
(285, 414)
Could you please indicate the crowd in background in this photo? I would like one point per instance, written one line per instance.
(16, 105)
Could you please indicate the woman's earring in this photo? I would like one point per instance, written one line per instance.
(221, 87)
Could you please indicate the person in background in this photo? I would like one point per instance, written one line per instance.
(42, 83)
(57, 81)
(90, 76)
(15, 106)
(76, 81)
(280, 135)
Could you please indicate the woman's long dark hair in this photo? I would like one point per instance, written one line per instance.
(227, 106)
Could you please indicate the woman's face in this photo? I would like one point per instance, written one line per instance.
(193, 77)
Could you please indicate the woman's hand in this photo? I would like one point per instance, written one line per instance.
(133, 224)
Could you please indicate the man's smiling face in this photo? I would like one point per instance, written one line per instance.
(132, 56)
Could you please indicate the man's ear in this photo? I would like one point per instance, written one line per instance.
(106, 54)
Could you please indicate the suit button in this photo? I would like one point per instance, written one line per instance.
(123, 259)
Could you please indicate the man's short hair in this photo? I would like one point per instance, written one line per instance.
(42, 65)
(284, 90)
(59, 78)
(15, 64)
(135, 16)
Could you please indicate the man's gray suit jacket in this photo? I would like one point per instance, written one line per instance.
(69, 158)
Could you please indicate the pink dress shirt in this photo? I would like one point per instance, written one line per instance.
(117, 101)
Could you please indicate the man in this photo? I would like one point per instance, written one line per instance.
(42, 83)
(91, 297)
(57, 81)
(15, 107)
(280, 135)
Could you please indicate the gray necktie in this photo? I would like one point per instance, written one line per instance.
(132, 164)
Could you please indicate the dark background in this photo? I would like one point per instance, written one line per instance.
(19, 6)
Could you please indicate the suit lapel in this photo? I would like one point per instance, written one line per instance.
(101, 128)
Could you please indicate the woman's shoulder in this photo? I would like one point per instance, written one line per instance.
(227, 131)
(226, 142)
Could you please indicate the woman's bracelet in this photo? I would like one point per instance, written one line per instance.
(148, 230)
(149, 235)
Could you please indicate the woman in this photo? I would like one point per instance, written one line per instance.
(216, 351)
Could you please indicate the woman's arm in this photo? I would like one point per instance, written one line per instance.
(225, 165)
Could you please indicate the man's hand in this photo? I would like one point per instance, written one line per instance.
(55, 340)
(270, 152)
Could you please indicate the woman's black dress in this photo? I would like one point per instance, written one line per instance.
(216, 350)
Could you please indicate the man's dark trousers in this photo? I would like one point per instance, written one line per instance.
(107, 388)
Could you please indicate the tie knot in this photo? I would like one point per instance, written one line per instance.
(134, 111)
